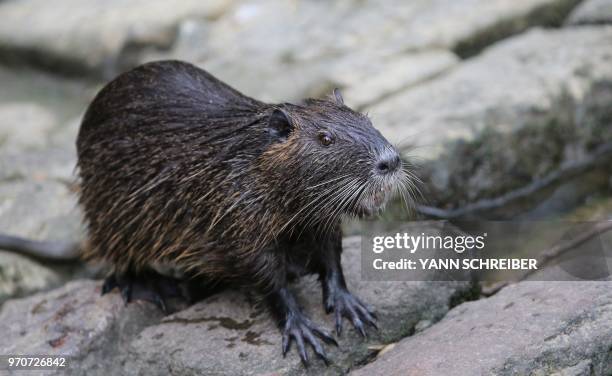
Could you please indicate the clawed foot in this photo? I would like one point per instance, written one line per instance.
(148, 285)
(345, 304)
(299, 328)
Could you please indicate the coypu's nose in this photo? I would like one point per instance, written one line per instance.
(388, 163)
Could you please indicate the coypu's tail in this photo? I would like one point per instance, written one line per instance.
(45, 251)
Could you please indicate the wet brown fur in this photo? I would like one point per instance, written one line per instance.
(178, 168)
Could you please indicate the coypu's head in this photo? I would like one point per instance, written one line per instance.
(329, 160)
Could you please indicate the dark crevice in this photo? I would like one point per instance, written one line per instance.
(551, 15)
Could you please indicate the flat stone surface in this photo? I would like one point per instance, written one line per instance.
(21, 276)
(241, 339)
(39, 119)
(104, 38)
(591, 12)
(224, 334)
(74, 321)
(91, 34)
(508, 85)
(531, 328)
(310, 46)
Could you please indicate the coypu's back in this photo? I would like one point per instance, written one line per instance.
(158, 154)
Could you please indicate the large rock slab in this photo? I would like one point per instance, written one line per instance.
(224, 334)
(20, 276)
(310, 46)
(591, 12)
(38, 127)
(74, 35)
(268, 39)
(73, 321)
(514, 113)
(531, 328)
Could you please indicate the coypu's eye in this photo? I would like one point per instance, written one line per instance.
(326, 139)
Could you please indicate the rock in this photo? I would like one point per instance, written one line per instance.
(76, 36)
(531, 328)
(224, 334)
(360, 38)
(227, 335)
(73, 321)
(370, 83)
(20, 276)
(591, 12)
(37, 120)
(39, 210)
(62, 97)
(514, 113)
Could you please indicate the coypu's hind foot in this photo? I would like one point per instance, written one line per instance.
(146, 285)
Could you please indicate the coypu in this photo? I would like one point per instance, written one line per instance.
(177, 168)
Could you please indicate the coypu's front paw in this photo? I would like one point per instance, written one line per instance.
(343, 303)
(298, 327)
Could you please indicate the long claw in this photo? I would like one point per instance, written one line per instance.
(126, 293)
(109, 284)
(338, 322)
(318, 349)
(286, 344)
(326, 337)
(301, 348)
(367, 316)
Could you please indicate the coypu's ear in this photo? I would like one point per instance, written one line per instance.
(338, 96)
(279, 125)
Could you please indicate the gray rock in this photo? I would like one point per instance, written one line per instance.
(227, 335)
(368, 83)
(74, 36)
(39, 119)
(361, 37)
(591, 12)
(25, 125)
(224, 334)
(74, 321)
(531, 328)
(513, 113)
(44, 209)
(20, 276)
(92, 35)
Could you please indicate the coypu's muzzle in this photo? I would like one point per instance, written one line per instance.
(386, 179)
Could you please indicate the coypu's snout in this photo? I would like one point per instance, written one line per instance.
(384, 181)
(388, 162)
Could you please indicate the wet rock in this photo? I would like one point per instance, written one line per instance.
(39, 117)
(351, 37)
(592, 12)
(75, 36)
(20, 276)
(227, 335)
(531, 328)
(368, 83)
(224, 334)
(512, 114)
(74, 321)
(41, 210)
(24, 125)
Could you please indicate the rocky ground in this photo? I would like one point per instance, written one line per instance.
(484, 96)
